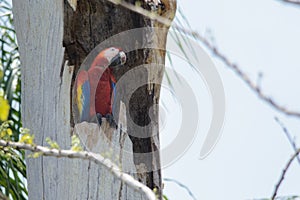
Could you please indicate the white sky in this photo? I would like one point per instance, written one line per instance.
(261, 36)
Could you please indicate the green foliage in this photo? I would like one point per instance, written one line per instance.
(52, 144)
(12, 168)
(5, 131)
(12, 164)
(4, 107)
(26, 137)
(165, 197)
(10, 84)
(76, 146)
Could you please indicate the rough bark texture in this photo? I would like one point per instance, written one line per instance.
(54, 39)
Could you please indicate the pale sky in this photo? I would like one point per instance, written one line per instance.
(260, 36)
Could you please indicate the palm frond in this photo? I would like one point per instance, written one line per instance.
(12, 168)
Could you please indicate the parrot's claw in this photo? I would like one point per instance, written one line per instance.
(111, 121)
(99, 118)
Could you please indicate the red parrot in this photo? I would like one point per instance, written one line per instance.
(95, 87)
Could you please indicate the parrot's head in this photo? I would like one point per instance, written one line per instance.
(110, 57)
(118, 57)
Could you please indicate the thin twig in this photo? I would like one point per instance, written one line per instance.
(294, 2)
(242, 75)
(182, 186)
(288, 135)
(284, 173)
(84, 155)
(234, 67)
(216, 52)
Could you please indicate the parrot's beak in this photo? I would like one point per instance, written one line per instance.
(118, 60)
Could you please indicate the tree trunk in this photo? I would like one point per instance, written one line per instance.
(54, 39)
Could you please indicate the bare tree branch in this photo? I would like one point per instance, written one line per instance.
(216, 52)
(84, 155)
(235, 68)
(182, 186)
(288, 135)
(284, 173)
(294, 2)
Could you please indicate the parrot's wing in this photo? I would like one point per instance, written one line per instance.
(83, 96)
(113, 96)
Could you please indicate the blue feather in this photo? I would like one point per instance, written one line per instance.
(113, 85)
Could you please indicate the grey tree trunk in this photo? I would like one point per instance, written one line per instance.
(54, 39)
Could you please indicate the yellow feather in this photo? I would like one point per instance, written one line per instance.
(79, 102)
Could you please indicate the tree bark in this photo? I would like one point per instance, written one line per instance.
(54, 39)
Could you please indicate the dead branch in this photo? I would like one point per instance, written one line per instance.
(84, 155)
(217, 53)
(241, 74)
(294, 2)
(289, 136)
(284, 173)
